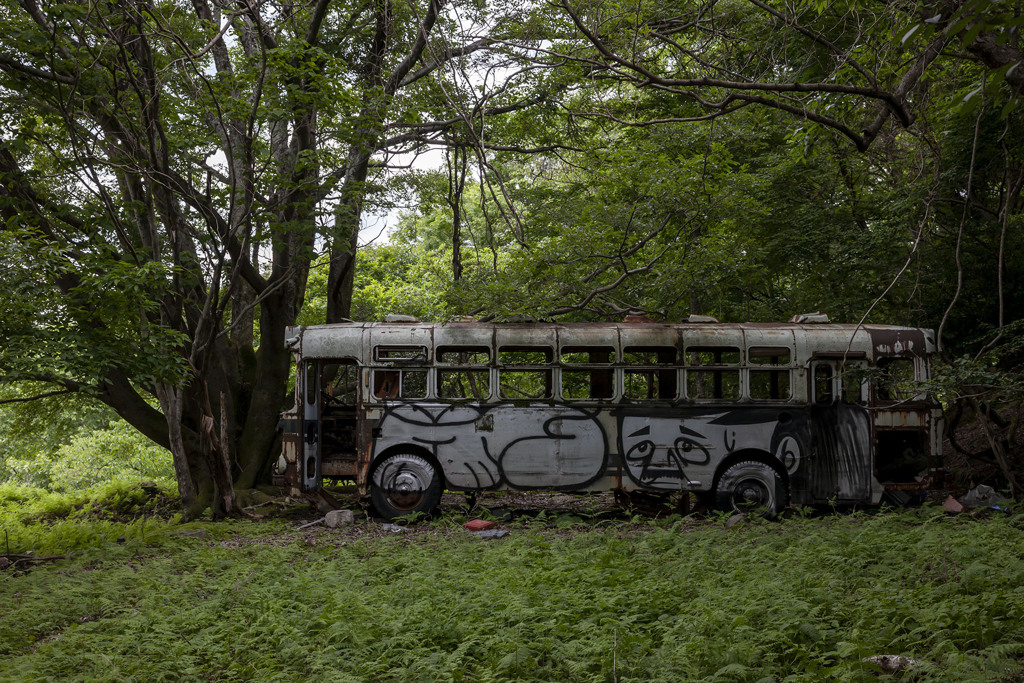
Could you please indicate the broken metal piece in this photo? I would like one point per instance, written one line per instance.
(491, 533)
(804, 318)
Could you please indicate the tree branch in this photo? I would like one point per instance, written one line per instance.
(37, 397)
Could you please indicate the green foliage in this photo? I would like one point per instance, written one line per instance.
(804, 599)
(46, 523)
(31, 432)
(116, 453)
(390, 278)
(101, 323)
(69, 442)
(971, 23)
(758, 215)
(741, 220)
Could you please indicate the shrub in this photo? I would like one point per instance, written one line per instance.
(116, 453)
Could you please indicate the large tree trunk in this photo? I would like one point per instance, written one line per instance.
(347, 219)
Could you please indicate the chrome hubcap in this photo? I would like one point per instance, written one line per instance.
(404, 479)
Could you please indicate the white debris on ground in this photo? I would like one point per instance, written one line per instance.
(891, 664)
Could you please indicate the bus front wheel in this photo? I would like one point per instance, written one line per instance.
(404, 484)
(751, 487)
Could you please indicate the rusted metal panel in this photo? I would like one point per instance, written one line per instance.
(899, 341)
(339, 468)
(771, 337)
(587, 335)
(650, 335)
(365, 426)
(463, 334)
(400, 335)
(719, 335)
(902, 419)
(524, 335)
(324, 341)
(290, 451)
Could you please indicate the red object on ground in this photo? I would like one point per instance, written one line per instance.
(953, 505)
(478, 525)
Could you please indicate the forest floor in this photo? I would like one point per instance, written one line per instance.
(577, 590)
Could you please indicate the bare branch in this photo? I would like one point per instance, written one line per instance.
(316, 21)
(394, 81)
(439, 59)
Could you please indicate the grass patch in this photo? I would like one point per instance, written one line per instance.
(50, 523)
(797, 600)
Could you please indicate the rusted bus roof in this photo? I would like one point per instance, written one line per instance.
(888, 340)
(357, 339)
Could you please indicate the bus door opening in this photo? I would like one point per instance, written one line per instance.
(329, 420)
(902, 423)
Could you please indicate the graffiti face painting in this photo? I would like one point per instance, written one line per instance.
(683, 452)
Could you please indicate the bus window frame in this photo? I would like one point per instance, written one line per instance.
(777, 369)
(422, 356)
(883, 378)
(665, 367)
(545, 370)
(480, 368)
(606, 369)
(713, 368)
(400, 373)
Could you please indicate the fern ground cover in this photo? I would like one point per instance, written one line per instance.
(803, 599)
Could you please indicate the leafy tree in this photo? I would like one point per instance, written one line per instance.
(33, 431)
(841, 65)
(169, 171)
(181, 181)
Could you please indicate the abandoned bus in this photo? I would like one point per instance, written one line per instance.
(752, 415)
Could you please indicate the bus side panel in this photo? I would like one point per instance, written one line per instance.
(482, 446)
(841, 468)
(673, 449)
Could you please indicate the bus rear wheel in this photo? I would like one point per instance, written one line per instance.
(404, 484)
(751, 487)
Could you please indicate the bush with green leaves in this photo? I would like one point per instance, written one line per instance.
(63, 443)
(118, 452)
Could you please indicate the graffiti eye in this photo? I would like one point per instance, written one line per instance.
(640, 451)
(691, 452)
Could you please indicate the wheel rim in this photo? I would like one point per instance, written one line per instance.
(404, 479)
(751, 494)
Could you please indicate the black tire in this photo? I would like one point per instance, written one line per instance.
(752, 487)
(404, 484)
